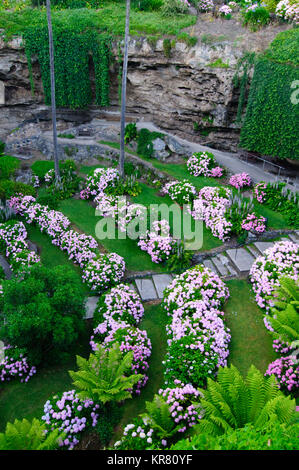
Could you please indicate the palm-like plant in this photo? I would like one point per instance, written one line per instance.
(284, 317)
(231, 402)
(26, 435)
(105, 376)
(159, 416)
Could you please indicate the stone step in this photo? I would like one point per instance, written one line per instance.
(294, 237)
(90, 306)
(220, 265)
(228, 264)
(209, 264)
(241, 259)
(262, 246)
(6, 267)
(253, 250)
(161, 281)
(146, 289)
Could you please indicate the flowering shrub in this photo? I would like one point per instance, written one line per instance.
(204, 163)
(288, 11)
(158, 243)
(240, 180)
(286, 372)
(101, 179)
(180, 191)
(259, 192)
(70, 415)
(120, 304)
(280, 260)
(104, 271)
(130, 212)
(136, 340)
(138, 435)
(205, 5)
(15, 365)
(13, 237)
(225, 11)
(210, 206)
(197, 338)
(281, 348)
(182, 401)
(50, 176)
(254, 223)
(79, 247)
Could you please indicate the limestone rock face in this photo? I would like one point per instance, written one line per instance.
(182, 93)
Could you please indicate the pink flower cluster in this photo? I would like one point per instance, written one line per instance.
(280, 260)
(225, 10)
(15, 367)
(180, 191)
(210, 206)
(288, 11)
(205, 5)
(120, 304)
(259, 192)
(286, 372)
(104, 271)
(240, 180)
(50, 176)
(16, 249)
(71, 416)
(79, 247)
(203, 163)
(182, 402)
(101, 179)
(253, 223)
(158, 242)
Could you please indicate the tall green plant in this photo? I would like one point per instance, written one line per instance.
(231, 402)
(105, 376)
(160, 418)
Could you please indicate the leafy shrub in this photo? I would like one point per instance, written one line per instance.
(43, 313)
(8, 165)
(9, 188)
(41, 167)
(147, 5)
(2, 147)
(256, 17)
(145, 142)
(173, 7)
(48, 198)
(130, 132)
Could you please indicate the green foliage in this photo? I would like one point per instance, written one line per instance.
(274, 437)
(173, 8)
(272, 117)
(8, 165)
(66, 136)
(105, 376)
(145, 142)
(26, 435)
(41, 167)
(159, 418)
(167, 47)
(231, 402)
(237, 210)
(180, 260)
(72, 47)
(43, 312)
(256, 18)
(245, 64)
(281, 199)
(147, 5)
(218, 64)
(284, 317)
(2, 147)
(47, 197)
(187, 39)
(9, 188)
(271, 5)
(130, 132)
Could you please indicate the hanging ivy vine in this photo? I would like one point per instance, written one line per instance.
(240, 80)
(72, 51)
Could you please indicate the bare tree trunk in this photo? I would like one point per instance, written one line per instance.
(123, 95)
(53, 101)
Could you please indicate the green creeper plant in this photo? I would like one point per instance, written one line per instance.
(105, 376)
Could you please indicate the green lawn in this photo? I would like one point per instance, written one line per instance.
(251, 343)
(26, 400)
(82, 214)
(154, 322)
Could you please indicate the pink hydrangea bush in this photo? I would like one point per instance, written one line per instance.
(280, 260)
(286, 371)
(183, 401)
(240, 180)
(288, 11)
(210, 206)
(204, 164)
(70, 415)
(15, 365)
(104, 271)
(181, 192)
(80, 248)
(253, 223)
(158, 242)
(120, 304)
(225, 11)
(259, 192)
(101, 180)
(205, 5)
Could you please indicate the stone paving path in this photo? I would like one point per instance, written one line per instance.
(229, 264)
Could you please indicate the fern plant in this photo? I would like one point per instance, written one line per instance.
(159, 417)
(231, 402)
(284, 317)
(26, 435)
(105, 376)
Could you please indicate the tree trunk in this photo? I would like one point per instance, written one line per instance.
(53, 101)
(123, 95)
